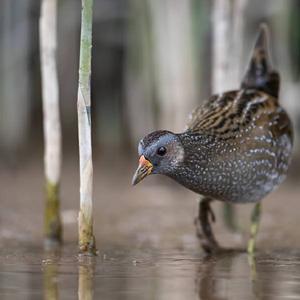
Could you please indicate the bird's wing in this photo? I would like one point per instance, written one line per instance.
(228, 113)
(210, 111)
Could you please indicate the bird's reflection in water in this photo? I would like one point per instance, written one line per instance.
(253, 274)
(86, 278)
(226, 276)
(50, 275)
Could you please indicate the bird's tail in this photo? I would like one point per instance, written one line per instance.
(260, 74)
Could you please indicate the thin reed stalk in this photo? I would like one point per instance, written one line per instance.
(51, 117)
(85, 226)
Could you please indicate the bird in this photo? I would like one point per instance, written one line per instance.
(236, 148)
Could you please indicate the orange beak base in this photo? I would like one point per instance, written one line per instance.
(144, 169)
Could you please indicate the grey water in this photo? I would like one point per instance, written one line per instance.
(148, 273)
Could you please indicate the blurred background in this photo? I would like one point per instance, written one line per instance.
(152, 64)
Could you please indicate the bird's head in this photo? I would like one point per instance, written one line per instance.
(160, 152)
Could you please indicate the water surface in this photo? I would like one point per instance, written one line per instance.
(129, 273)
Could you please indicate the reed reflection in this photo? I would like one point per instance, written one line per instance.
(86, 271)
(50, 275)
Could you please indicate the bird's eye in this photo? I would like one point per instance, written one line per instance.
(161, 151)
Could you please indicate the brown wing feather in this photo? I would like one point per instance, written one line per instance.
(212, 108)
(232, 112)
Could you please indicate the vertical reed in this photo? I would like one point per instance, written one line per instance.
(85, 226)
(52, 127)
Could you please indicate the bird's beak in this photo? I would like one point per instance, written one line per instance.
(144, 169)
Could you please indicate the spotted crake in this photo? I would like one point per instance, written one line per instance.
(236, 148)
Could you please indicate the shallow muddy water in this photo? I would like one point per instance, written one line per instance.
(123, 273)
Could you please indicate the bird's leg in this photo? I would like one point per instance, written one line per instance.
(203, 226)
(255, 219)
